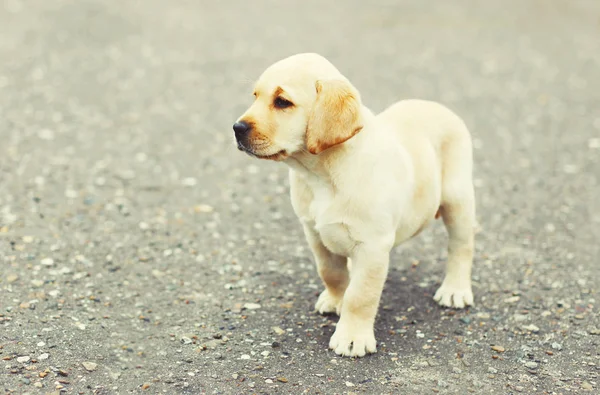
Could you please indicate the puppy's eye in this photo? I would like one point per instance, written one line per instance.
(280, 102)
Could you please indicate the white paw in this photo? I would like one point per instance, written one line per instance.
(452, 296)
(353, 339)
(328, 303)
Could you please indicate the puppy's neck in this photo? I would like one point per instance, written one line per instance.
(325, 164)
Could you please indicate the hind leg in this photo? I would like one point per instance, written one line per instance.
(459, 219)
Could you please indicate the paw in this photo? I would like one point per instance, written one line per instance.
(327, 303)
(453, 296)
(353, 339)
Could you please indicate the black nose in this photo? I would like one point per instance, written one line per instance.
(241, 129)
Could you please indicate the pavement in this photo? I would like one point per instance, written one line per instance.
(140, 252)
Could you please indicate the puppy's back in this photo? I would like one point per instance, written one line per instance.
(416, 118)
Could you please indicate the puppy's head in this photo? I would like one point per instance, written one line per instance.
(302, 103)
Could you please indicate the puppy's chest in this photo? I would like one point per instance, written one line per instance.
(322, 206)
(329, 219)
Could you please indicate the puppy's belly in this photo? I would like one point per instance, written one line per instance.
(411, 227)
(408, 232)
(421, 211)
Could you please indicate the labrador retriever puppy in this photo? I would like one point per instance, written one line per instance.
(363, 183)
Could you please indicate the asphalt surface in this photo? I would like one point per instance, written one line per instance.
(141, 252)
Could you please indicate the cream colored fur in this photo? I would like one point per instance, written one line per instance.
(363, 183)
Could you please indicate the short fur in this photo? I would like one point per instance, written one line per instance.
(363, 183)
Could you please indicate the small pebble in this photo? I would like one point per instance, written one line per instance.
(71, 194)
(189, 182)
(46, 134)
(531, 365)
(531, 328)
(203, 208)
(498, 348)
(11, 278)
(252, 306)
(278, 330)
(47, 262)
(491, 370)
(586, 385)
(43, 357)
(245, 356)
(89, 366)
(556, 346)
(23, 359)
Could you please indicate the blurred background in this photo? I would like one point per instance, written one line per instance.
(136, 239)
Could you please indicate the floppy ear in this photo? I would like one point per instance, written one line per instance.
(335, 116)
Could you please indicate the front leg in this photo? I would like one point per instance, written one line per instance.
(354, 335)
(333, 270)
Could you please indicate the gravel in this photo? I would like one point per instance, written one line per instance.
(140, 251)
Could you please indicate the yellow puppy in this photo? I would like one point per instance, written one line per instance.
(363, 183)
